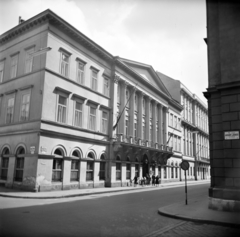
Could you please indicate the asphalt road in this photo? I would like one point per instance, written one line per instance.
(114, 214)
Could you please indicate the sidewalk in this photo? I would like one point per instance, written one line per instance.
(196, 210)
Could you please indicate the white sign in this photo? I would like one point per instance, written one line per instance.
(32, 149)
(232, 135)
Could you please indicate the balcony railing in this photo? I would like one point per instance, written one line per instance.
(142, 142)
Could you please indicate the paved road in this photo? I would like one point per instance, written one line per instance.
(115, 214)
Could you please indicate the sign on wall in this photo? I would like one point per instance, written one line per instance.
(32, 149)
(231, 135)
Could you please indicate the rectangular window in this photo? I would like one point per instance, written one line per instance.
(10, 110)
(104, 122)
(29, 60)
(118, 171)
(14, 64)
(128, 171)
(102, 171)
(64, 64)
(57, 170)
(80, 72)
(25, 104)
(94, 80)
(137, 170)
(92, 119)
(1, 71)
(89, 174)
(106, 87)
(4, 169)
(19, 169)
(78, 114)
(62, 109)
(135, 128)
(74, 170)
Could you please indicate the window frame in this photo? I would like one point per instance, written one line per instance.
(65, 73)
(13, 73)
(91, 116)
(28, 58)
(83, 63)
(106, 86)
(94, 86)
(2, 67)
(104, 122)
(10, 96)
(80, 112)
(25, 92)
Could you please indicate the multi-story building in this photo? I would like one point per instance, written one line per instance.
(194, 127)
(74, 116)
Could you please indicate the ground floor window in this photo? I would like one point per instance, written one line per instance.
(75, 170)
(57, 170)
(89, 175)
(102, 171)
(172, 172)
(118, 171)
(159, 171)
(128, 171)
(176, 170)
(4, 169)
(137, 170)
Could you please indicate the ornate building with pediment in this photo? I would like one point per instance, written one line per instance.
(74, 116)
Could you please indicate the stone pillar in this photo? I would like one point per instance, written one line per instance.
(140, 114)
(131, 112)
(154, 108)
(10, 174)
(160, 124)
(147, 117)
(66, 173)
(122, 111)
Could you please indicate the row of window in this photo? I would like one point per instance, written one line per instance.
(174, 142)
(81, 71)
(62, 108)
(14, 64)
(10, 106)
(174, 121)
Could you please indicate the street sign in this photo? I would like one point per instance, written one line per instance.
(184, 165)
(231, 135)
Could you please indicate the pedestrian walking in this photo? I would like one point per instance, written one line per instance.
(157, 180)
(153, 180)
(135, 179)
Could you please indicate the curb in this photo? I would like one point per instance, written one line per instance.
(221, 223)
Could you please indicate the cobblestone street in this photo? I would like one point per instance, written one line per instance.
(190, 229)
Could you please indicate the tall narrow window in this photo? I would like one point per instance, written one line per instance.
(5, 161)
(24, 112)
(128, 171)
(92, 119)
(10, 110)
(80, 72)
(1, 71)
(57, 166)
(118, 171)
(106, 87)
(29, 60)
(78, 114)
(136, 102)
(143, 128)
(118, 93)
(19, 165)
(135, 125)
(74, 170)
(126, 123)
(62, 109)
(14, 64)
(102, 168)
(94, 80)
(64, 64)
(137, 170)
(104, 122)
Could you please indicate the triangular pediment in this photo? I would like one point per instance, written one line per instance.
(147, 73)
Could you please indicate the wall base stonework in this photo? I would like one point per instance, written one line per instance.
(224, 205)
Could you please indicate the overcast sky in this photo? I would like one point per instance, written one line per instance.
(167, 34)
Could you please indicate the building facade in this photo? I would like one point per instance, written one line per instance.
(193, 123)
(223, 94)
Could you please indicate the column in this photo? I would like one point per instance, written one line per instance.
(154, 108)
(123, 86)
(140, 97)
(147, 117)
(165, 124)
(131, 111)
(160, 121)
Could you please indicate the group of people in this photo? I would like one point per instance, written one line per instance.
(154, 180)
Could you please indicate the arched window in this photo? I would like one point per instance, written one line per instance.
(5, 161)
(102, 167)
(57, 165)
(75, 163)
(118, 168)
(90, 166)
(19, 168)
(128, 169)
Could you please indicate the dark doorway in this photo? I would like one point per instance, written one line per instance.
(145, 166)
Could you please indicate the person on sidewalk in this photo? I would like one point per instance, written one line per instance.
(153, 180)
(157, 181)
(135, 179)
